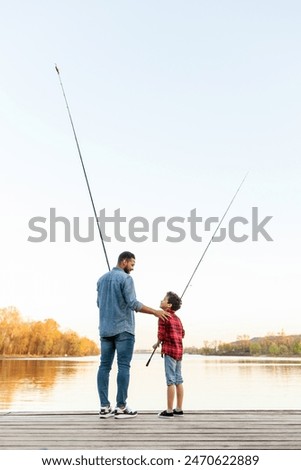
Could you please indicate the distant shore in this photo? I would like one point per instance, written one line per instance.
(147, 352)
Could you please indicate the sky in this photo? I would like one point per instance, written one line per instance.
(173, 103)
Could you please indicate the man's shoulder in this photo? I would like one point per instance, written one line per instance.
(118, 273)
(104, 276)
(115, 273)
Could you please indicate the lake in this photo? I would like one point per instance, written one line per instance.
(210, 383)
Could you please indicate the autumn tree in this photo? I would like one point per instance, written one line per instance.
(39, 338)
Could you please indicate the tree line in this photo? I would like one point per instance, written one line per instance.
(269, 345)
(39, 338)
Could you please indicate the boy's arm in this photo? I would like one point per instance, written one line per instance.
(161, 333)
(161, 330)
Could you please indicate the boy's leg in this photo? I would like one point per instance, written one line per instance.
(170, 368)
(179, 386)
(180, 395)
(170, 397)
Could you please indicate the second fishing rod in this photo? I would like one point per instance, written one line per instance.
(204, 253)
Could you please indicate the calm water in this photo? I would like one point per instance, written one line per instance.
(211, 383)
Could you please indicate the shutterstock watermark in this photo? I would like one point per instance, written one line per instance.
(139, 229)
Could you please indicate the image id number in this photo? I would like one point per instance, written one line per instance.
(221, 460)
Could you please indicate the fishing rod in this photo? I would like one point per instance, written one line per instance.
(84, 169)
(205, 251)
(151, 356)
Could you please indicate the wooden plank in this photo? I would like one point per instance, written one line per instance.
(196, 430)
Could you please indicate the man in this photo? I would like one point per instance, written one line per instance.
(117, 303)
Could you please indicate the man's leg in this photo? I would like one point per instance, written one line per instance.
(103, 375)
(125, 347)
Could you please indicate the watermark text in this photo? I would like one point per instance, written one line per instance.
(139, 229)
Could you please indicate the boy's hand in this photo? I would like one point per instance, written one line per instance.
(156, 344)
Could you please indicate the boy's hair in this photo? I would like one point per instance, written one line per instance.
(125, 255)
(174, 300)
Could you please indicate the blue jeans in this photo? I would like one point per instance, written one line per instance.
(123, 343)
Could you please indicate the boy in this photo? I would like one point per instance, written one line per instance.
(170, 334)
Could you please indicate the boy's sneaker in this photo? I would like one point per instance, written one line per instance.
(106, 412)
(178, 412)
(126, 412)
(165, 414)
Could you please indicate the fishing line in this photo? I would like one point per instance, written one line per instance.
(205, 251)
(84, 169)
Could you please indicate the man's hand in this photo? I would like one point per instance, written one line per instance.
(161, 314)
(157, 344)
(158, 313)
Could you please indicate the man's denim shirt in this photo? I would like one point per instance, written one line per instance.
(117, 302)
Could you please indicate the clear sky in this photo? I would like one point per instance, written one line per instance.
(173, 102)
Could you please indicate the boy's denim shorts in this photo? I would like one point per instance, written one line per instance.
(173, 370)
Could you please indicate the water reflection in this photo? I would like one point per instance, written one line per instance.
(209, 383)
(249, 383)
(34, 376)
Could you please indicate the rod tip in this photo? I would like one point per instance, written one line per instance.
(56, 68)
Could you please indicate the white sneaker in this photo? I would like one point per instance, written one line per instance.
(106, 412)
(126, 412)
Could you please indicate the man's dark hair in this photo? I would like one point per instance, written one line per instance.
(174, 300)
(125, 255)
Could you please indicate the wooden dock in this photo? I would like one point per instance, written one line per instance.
(214, 430)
